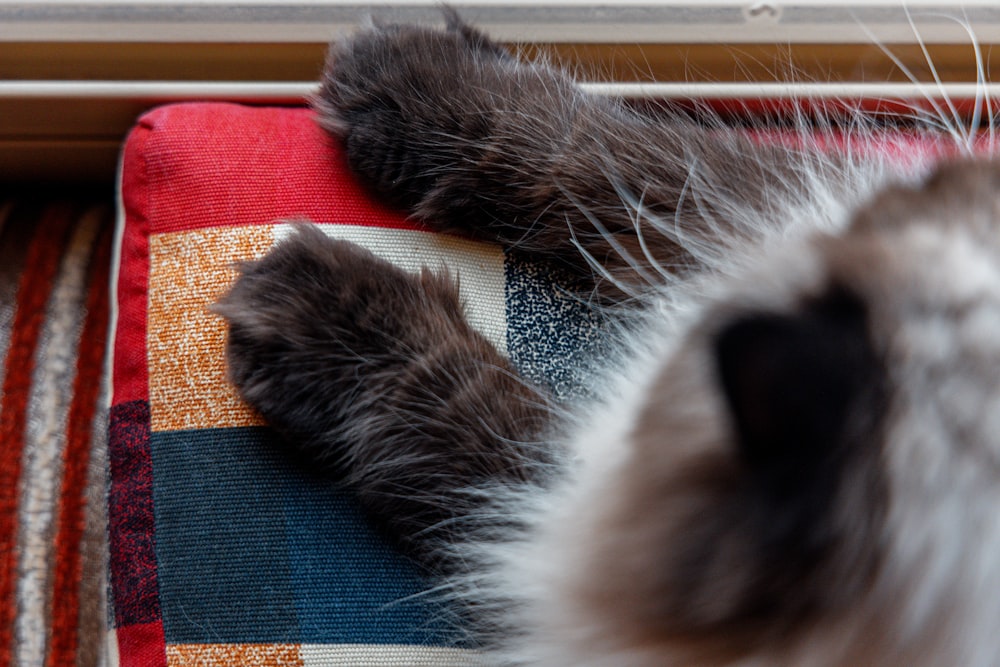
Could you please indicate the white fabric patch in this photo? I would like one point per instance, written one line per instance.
(479, 267)
(351, 655)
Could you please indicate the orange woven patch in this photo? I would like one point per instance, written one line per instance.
(245, 655)
(188, 271)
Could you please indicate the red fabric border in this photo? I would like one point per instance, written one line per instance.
(211, 164)
(130, 378)
(142, 645)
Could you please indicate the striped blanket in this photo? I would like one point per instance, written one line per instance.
(54, 262)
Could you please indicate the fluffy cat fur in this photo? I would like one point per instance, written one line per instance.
(794, 457)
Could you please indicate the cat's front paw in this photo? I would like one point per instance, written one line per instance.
(319, 327)
(405, 100)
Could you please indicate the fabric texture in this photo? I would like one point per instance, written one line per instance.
(54, 261)
(222, 550)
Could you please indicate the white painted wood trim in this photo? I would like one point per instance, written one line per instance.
(298, 92)
(620, 21)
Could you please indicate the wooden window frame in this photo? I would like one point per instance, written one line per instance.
(75, 75)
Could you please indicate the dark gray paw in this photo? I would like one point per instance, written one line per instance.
(405, 99)
(317, 324)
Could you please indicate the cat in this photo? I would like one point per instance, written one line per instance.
(793, 455)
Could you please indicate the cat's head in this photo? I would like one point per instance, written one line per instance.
(813, 476)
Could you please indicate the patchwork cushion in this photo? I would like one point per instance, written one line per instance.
(223, 551)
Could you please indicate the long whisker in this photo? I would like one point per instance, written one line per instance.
(957, 118)
(948, 126)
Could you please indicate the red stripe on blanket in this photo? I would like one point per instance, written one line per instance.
(86, 391)
(41, 265)
(206, 165)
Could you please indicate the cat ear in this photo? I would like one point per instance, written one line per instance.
(792, 382)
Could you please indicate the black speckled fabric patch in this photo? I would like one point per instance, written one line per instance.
(553, 337)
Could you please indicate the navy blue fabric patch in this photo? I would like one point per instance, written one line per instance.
(251, 550)
(347, 579)
(553, 338)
